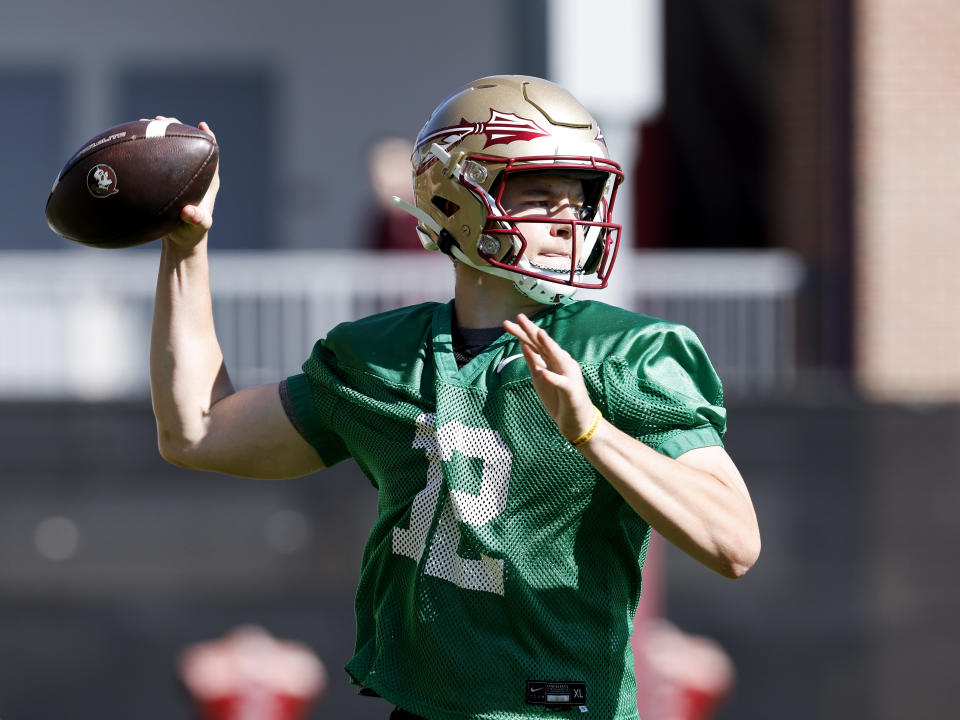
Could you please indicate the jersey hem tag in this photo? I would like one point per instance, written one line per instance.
(557, 694)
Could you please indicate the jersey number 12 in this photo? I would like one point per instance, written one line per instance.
(443, 560)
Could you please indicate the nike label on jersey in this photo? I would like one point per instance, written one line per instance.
(503, 363)
(556, 695)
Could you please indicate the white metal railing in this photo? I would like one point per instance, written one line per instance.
(76, 323)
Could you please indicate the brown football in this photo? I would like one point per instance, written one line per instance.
(128, 185)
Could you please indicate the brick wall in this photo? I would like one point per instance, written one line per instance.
(907, 129)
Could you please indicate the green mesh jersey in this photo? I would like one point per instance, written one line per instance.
(499, 555)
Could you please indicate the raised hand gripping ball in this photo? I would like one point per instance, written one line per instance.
(127, 185)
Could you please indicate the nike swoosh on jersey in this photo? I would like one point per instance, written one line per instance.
(504, 362)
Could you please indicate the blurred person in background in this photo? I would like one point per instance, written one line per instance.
(387, 226)
(519, 473)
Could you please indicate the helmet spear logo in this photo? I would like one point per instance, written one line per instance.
(501, 129)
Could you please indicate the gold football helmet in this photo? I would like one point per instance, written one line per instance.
(473, 142)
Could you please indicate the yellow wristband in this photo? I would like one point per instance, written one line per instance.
(590, 431)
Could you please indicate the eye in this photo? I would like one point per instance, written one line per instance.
(537, 206)
(585, 212)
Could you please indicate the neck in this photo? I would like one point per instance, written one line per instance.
(484, 300)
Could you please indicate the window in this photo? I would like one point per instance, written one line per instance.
(33, 152)
(239, 105)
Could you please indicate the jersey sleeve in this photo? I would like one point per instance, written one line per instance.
(665, 392)
(314, 395)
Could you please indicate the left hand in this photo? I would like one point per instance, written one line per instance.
(556, 377)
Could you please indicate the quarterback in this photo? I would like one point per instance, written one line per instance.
(523, 443)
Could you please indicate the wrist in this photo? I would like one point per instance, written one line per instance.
(177, 252)
(589, 430)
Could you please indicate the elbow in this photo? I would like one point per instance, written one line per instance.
(173, 450)
(739, 560)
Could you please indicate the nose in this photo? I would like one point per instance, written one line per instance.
(564, 215)
(561, 230)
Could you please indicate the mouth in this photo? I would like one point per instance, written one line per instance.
(551, 260)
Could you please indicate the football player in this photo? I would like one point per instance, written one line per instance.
(523, 443)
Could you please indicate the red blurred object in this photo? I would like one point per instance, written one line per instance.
(689, 676)
(389, 170)
(699, 704)
(392, 229)
(250, 675)
(679, 676)
(255, 704)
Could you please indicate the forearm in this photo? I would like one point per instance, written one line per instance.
(187, 374)
(709, 516)
(698, 502)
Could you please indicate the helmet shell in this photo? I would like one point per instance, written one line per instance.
(477, 136)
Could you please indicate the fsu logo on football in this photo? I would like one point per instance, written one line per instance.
(102, 181)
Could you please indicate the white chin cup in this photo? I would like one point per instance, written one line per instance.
(542, 291)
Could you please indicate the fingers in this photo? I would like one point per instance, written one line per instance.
(194, 215)
(534, 360)
(544, 356)
(555, 354)
(556, 357)
(538, 368)
(205, 126)
(161, 117)
(524, 330)
(518, 332)
(526, 343)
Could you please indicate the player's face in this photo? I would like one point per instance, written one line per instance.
(556, 198)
